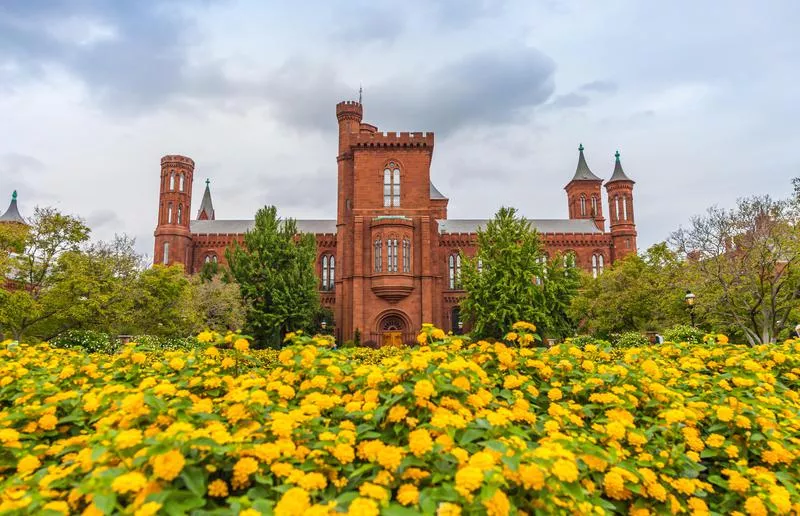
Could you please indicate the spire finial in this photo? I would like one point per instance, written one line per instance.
(616, 155)
(360, 91)
(580, 147)
(208, 182)
(14, 196)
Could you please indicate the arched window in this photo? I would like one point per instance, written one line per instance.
(406, 255)
(391, 185)
(376, 253)
(594, 265)
(169, 213)
(210, 258)
(181, 186)
(542, 260)
(180, 214)
(583, 205)
(455, 271)
(328, 272)
(600, 263)
(455, 319)
(595, 211)
(569, 259)
(616, 207)
(172, 180)
(625, 208)
(480, 266)
(391, 255)
(166, 253)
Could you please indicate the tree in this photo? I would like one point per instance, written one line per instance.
(36, 270)
(509, 279)
(275, 271)
(745, 263)
(218, 304)
(636, 294)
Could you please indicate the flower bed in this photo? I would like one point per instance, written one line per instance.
(449, 427)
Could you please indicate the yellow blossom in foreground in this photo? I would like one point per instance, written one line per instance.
(168, 465)
(132, 482)
(294, 502)
(408, 494)
(28, 464)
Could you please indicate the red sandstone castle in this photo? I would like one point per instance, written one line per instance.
(390, 261)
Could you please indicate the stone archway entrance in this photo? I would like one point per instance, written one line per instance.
(391, 329)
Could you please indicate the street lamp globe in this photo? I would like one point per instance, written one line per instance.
(689, 298)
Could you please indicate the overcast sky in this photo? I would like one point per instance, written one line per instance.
(700, 98)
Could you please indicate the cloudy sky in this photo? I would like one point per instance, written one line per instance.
(700, 98)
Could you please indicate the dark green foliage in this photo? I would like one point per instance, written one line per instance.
(684, 333)
(275, 271)
(515, 282)
(630, 339)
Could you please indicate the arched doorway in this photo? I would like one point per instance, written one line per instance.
(391, 328)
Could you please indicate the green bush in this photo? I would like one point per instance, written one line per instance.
(684, 333)
(630, 339)
(582, 340)
(165, 343)
(87, 340)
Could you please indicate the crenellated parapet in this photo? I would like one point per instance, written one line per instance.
(393, 139)
(177, 159)
(349, 110)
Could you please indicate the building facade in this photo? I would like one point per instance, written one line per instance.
(390, 260)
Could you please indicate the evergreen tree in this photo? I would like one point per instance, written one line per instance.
(275, 272)
(509, 280)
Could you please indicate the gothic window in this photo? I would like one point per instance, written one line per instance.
(328, 271)
(210, 258)
(597, 264)
(600, 263)
(391, 185)
(376, 253)
(180, 214)
(406, 255)
(454, 266)
(181, 185)
(169, 213)
(166, 253)
(569, 259)
(583, 205)
(625, 208)
(616, 207)
(391, 255)
(595, 211)
(172, 180)
(542, 260)
(392, 323)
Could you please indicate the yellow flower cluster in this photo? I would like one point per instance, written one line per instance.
(449, 427)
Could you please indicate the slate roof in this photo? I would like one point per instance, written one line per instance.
(619, 174)
(435, 193)
(582, 173)
(223, 227)
(541, 225)
(206, 204)
(12, 213)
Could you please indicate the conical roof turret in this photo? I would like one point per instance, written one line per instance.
(582, 173)
(619, 174)
(12, 213)
(206, 211)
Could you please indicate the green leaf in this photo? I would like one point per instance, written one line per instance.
(471, 434)
(398, 510)
(194, 479)
(105, 502)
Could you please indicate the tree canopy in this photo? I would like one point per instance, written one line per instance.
(510, 279)
(275, 271)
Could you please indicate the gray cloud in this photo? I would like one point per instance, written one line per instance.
(131, 55)
(569, 100)
(600, 86)
(363, 23)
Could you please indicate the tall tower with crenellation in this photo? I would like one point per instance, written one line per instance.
(173, 238)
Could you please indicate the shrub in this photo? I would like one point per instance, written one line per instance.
(87, 340)
(630, 339)
(488, 428)
(684, 333)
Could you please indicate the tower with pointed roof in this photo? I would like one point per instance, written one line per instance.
(12, 214)
(584, 195)
(173, 236)
(206, 211)
(620, 206)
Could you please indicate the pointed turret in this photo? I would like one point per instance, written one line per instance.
(584, 196)
(12, 213)
(206, 211)
(619, 174)
(582, 173)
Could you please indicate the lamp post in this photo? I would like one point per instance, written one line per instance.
(323, 325)
(689, 299)
(460, 327)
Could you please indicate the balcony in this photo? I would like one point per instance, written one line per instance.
(392, 286)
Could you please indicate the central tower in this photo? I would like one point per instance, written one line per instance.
(385, 223)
